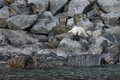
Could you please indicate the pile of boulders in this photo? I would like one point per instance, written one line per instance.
(36, 32)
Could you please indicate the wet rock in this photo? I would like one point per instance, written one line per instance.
(49, 60)
(84, 60)
(69, 45)
(94, 50)
(77, 6)
(60, 29)
(42, 28)
(20, 62)
(38, 5)
(97, 33)
(56, 5)
(4, 15)
(109, 5)
(109, 58)
(1, 3)
(70, 22)
(21, 21)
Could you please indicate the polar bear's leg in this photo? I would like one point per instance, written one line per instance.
(85, 33)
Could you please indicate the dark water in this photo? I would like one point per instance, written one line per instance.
(108, 72)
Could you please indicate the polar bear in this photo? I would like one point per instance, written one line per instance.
(78, 31)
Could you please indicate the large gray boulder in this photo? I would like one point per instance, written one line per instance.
(56, 5)
(42, 28)
(69, 45)
(21, 21)
(111, 18)
(4, 15)
(109, 5)
(77, 6)
(17, 38)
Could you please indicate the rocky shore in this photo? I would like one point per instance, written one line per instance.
(34, 33)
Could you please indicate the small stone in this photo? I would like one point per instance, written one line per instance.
(70, 22)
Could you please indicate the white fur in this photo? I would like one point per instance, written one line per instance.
(78, 31)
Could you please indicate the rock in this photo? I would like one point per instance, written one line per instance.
(109, 5)
(78, 17)
(94, 50)
(84, 60)
(4, 12)
(69, 45)
(20, 62)
(48, 14)
(56, 5)
(99, 25)
(101, 39)
(114, 30)
(64, 35)
(114, 49)
(39, 5)
(53, 42)
(19, 7)
(77, 6)
(87, 24)
(109, 58)
(4, 15)
(40, 38)
(17, 38)
(42, 28)
(70, 22)
(91, 1)
(1, 3)
(49, 60)
(21, 21)
(97, 33)
(10, 1)
(60, 29)
(3, 40)
(111, 18)
(114, 38)
(63, 20)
